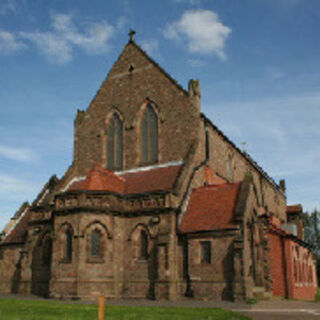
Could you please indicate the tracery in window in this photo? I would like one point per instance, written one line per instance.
(149, 136)
(115, 143)
(95, 243)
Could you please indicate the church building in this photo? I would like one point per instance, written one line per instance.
(158, 203)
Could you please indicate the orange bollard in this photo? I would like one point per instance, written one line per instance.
(101, 307)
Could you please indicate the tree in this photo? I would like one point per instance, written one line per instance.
(312, 235)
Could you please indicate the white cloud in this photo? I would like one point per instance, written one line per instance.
(9, 184)
(192, 2)
(202, 30)
(55, 48)
(121, 23)
(281, 132)
(58, 45)
(196, 63)
(150, 46)
(18, 154)
(9, 44)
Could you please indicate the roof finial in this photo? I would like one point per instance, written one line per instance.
(131, 35)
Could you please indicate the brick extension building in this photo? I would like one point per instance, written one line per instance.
(157, 203)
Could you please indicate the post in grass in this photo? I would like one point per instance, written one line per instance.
(101, 307)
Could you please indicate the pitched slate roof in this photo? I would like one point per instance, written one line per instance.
(210, 208)
(140, 181)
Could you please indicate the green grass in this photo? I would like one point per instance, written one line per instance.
(48, 310)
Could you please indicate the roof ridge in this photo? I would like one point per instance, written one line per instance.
(245, 155)
(105, 171)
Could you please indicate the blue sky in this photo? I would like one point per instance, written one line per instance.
(257, 61)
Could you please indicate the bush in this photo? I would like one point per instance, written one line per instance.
(252, 301)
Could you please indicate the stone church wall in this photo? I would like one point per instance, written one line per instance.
(214, 280)
(126, 93)
(10, 274)
(120, 272)
(230, 164)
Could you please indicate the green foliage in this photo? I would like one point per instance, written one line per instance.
(53, 310)
(317, 297)
(312, 235)
(252, 301)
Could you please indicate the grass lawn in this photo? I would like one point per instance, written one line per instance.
(48, 310)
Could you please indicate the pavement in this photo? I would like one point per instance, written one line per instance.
(264, 310)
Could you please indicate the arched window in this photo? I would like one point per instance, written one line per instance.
(95, 243)
(149, 136)
(115, 143)
(143, 245)
(68, 247)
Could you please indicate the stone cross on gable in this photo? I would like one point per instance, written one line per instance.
(131, 34)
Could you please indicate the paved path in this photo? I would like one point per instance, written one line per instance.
(264, 310)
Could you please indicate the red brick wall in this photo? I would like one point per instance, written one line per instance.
(302, 277)
(277, 265)
(294, 277)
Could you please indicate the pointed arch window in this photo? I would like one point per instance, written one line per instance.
(68, 247)
(149, 136)
(115, 143)
(143, 245)
(95, 243)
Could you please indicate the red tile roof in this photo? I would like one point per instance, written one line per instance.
(19, 232)
(210, 208)
(100, 179)
(211, 177)
(156, 179)
(294, 209)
